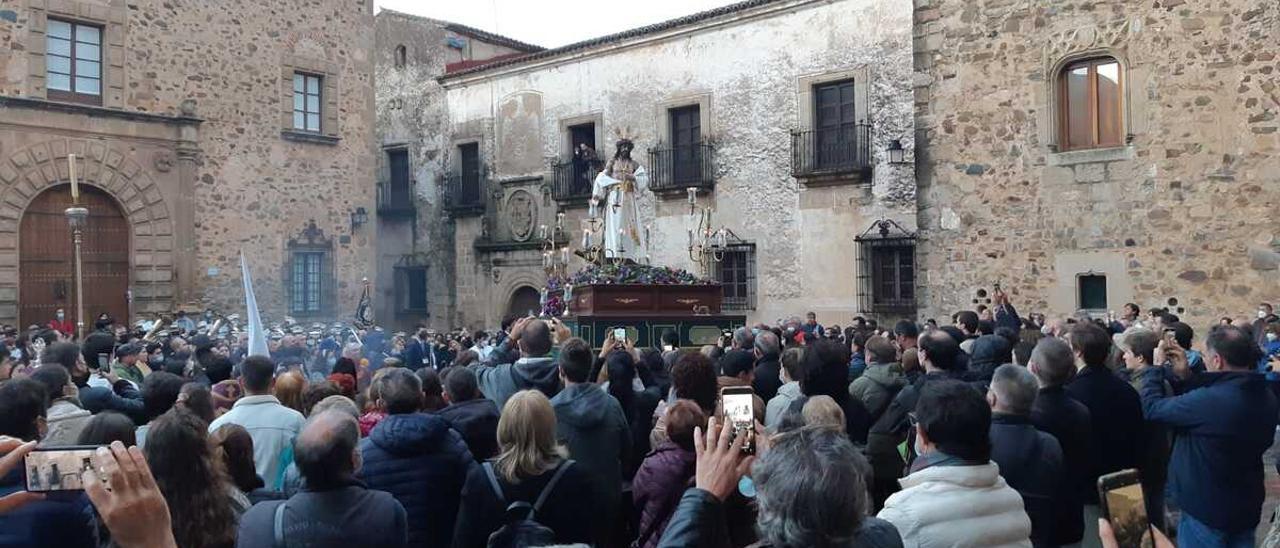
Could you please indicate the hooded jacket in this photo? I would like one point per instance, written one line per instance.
(423, 463)
(778, 405)
(877, 386)
(123, 397)
(988, 353)
(662, 478)
(65, 420)
(591, 424)
(500, 382)
(477, 421)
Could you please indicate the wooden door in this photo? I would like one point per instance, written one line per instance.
(46, 258)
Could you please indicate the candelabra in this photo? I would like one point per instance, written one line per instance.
(555, 260)
(706, 244)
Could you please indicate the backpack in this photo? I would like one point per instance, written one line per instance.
(521, 528)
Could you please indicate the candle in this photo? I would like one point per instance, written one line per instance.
(542, 232)
(559, 220)
(542, 297)
(586, 238)
(546, 259)
(693, 195)
(75, 185)
(564, 255)
(591, 208)
(690, 238)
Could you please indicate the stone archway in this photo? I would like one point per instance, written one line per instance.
(523, 300)
(27, 172)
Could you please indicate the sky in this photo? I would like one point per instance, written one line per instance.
(552, 23)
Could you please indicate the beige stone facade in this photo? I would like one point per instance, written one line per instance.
(1184, 211)
(413, 228)
(751, 70)
(194, 138)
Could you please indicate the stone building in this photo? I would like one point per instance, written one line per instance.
(201, 129)
(781, 113)
(1085, 154)
(414, 243)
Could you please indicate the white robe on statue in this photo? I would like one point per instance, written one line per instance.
(622, 212)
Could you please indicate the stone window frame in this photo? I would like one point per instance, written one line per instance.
(751, 281)
(401, 282)
(328, 73)
(400, 56)
(1079, 301)
(861, 77)
(566, 137)
(74, 61)
(1053, 120)
(312, 240)
(662, 116)
(112, 19)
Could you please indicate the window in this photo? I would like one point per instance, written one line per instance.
(307, 282)
(73, 62)
(411, 289)
(736, 273)
(686, 135)
(469, 161)
(1090, 108)
(893, 276)
(401, 56)
(1092, 291)
(834, 120)
(306, 102)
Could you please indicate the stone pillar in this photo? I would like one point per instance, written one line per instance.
(189, 159)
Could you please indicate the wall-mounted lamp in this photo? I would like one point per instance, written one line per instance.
(358, 218)
(896, 154)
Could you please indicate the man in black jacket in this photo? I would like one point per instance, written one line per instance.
(1068, 421)
(768, 371)
(470, 413)
(334, 509)
(1030, 460)
(99, 390)
(1116, 413)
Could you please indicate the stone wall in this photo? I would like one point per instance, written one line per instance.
(411, 113)
(197, 98)
(750, 72)
(1185, 211)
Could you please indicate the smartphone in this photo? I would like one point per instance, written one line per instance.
(739, 414)
(1122, 503)
(58, 468)
(104, 360)
(619, 334)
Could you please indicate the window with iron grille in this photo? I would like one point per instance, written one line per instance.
(411, 288)
(893, 276)
(736, 272)
(73, 62)
(307, 282)
(306, 101)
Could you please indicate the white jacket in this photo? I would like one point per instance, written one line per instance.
(960, 507)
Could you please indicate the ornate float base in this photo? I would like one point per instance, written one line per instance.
(647, 311)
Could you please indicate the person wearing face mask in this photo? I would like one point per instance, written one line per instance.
(1270, 361)
(61, 324)
(1266, 315)
(24, 406)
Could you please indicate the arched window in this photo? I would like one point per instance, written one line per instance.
(1091, 104)
(402, 55)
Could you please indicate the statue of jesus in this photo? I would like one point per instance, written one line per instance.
(617, 185)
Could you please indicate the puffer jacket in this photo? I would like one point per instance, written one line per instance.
(987, 353)
(65, 420)
(423, 463)
(877, 386)
(656, 490)
(477, 421)
(958, 506)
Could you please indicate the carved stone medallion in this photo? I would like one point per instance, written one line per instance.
(522, 215)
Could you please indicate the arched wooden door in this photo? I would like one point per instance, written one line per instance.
(47, 259)
(524, 300)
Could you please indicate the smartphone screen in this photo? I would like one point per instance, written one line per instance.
(104, 360)
(58, 469)
(740, 415)
(620, 334)
(1126, 509)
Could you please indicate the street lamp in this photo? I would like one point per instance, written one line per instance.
(896, 152)
(77, 217)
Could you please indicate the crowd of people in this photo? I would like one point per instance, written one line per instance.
(991, 430)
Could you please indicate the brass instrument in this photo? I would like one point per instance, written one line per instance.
(161, 324)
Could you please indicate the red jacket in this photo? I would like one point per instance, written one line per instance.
(65, 327)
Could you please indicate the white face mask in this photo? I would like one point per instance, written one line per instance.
(1261, 314)
(1271, 337)
(61, 315)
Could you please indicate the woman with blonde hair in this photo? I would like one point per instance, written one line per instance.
(530, 465)
(288, 389)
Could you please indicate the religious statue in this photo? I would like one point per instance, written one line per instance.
(616, 186)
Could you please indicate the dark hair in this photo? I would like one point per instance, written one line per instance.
(1182, 333)
(1022, 351)
(61, 353)
(193, 482)
(432, 389)
(535, 339)
(956, 419)
(682, 417)
(694, 378)
(575, 360)
(622, 369)
(314, 392)
(825, 370)
(256, 372)
(882, 351)
(55, 379)
(461, 384)
(235, 445)
(345, 366)
(967, 319)
(324, 449)
(198, 400)
(791, 359)
(986, 327)
(159, 392)
(1143, 343)
(106, 427)
(1235, 346)
(22, 401)
(736, 362)
(859, 340)
(400, 391)
(942, 350)
(1007, 333)
(670, 337)
(1092, 342)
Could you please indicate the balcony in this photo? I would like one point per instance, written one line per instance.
(573, 179)
(464, 194)
(395, 200)
(831, 155)
(676, 169)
